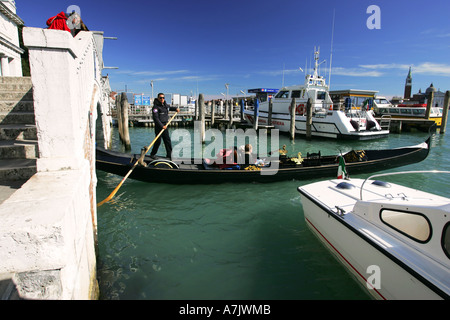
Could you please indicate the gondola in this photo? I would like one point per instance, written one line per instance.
(199, 171)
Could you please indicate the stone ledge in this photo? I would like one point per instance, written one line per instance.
(40, 227)
(49, 38)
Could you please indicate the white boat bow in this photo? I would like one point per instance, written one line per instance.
(395, 240)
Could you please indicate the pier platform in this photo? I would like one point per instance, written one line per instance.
(399, 125)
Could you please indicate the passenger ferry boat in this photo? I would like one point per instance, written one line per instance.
(417, 111)
(328, 120)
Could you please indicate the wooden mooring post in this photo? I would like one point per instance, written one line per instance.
(213, 110)
(292, 113)
(445, 112)
(429, 104)
(201, 116)
(231, 106)
(308, 118)
(256, 114)
(225, 105)
(122, 119)
(269, 117)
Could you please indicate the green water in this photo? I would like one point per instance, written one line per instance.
(229, 241)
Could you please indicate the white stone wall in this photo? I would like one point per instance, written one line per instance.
(10, 52)
(50, 225)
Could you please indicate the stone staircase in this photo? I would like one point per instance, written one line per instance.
(18, 134)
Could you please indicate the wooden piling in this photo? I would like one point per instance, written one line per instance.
(226, 109)
(256, 115)
(231, 106)
(429, 104)
(445, 112)
(196, 110)
(269, 117)
(213, 110)
(124, 117)
(119, 115)
(292, 113)
(220, 110)
(201, 116)
(308, 118)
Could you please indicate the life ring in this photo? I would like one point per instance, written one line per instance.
(301, 109)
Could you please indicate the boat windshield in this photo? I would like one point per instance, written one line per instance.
(321, 95)
(282, 94)
(381, 101)
(295, 94)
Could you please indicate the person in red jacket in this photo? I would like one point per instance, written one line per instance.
(58, 22)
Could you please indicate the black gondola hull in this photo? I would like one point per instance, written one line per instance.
(194, 172)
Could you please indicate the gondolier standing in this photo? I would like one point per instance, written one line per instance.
(160, 112)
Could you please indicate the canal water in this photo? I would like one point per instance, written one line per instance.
(230, 241)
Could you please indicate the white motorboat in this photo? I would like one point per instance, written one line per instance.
(393, 239)
(328, 120)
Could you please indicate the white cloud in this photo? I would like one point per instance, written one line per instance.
(158, 73)
(355, 72)
(439, 69)
(386, 66)
(428, 68)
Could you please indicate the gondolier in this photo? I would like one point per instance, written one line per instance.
(160, 113)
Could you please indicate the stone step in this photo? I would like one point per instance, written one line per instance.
(15, 80)
(25, 149)
(18, 87)
(17, 106)
(18, 132)
(17, 169)
(16, 96)
(17, 118)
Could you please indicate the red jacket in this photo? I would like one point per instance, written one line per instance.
(58, 22)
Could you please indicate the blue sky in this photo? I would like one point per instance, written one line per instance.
(198, 46)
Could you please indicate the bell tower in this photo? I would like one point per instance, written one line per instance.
(408, 85)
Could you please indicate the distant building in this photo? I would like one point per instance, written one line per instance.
(420, 97)
(408, 85)
(10, 51)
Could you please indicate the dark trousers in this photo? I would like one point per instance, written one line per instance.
(166, 137)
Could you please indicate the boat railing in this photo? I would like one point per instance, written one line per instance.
(385, 122)
(397, 173)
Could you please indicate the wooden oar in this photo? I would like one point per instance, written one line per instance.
(135, 164)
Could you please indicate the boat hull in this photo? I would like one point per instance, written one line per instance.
(196, 172)
(322, 128)
(388, 236)
(360, 256)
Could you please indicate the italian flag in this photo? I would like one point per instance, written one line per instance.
(342, 173)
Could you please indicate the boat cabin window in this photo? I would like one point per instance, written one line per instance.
(412, 225)
(393, 110)
(282, 94)
(418, 111)
(405, 111)
(446, 240)
(321, 95)
(295, 94)
(381, 101)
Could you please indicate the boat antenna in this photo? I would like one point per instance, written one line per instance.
(331, 51)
